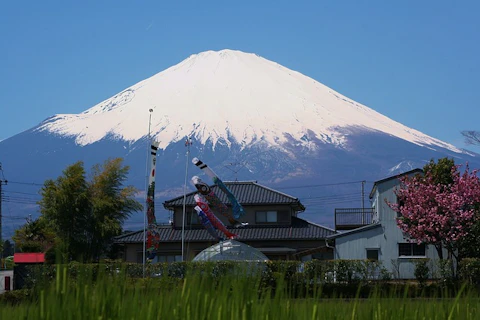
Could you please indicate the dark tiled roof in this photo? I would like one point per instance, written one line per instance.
(246, 192)
(299, 230)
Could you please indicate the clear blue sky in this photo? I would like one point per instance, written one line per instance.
(417, 62)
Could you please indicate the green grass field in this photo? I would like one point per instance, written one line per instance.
(229, 297)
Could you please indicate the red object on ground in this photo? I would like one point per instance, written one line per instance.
(29, 258)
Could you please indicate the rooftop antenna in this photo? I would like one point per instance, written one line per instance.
(238, 165)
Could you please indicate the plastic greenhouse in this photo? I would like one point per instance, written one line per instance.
(231, 250)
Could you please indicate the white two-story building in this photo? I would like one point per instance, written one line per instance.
(373, 233)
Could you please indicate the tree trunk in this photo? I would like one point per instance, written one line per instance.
(439, 248)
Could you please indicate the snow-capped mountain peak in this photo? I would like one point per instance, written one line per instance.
(230, 96)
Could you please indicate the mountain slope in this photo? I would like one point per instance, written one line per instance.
(230, 96)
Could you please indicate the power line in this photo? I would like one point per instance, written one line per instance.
(27, 183)
(26, 193)
(235, 171)
(15, 217)
(332, 201)
(329, 203)
(14, 196)
(20, 200)
(319, 185)
(8, 197)
(332, 196)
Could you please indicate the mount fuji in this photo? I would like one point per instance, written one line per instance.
(249, 118)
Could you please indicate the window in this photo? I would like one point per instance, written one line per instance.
(266, 216)
(411, 250)
(372, 254)
(193, 218)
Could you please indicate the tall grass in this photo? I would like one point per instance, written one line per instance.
(201, 296)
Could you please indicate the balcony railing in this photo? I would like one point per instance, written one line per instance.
(352, 218)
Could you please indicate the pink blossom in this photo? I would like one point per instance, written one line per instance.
(433, 213)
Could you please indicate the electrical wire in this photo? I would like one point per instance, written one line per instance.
(25, 193)
(319, 185)
(26, 183)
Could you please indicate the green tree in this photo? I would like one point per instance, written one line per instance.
(66, 206)
(469, 245)
(8, 248)
(87, 215)
(112, 204)
(34, 236)
(441, 172)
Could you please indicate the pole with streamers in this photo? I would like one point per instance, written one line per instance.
(153, 237)
(188, 143)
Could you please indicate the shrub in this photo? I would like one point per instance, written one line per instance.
(469, 270)
(421, 270)
(16, 296)
(445, 271)
(385, 275)
(7, 263)
(344, 270)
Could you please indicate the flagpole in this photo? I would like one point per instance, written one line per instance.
(187, 144)
(146, 192)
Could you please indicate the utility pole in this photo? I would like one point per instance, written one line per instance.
(363, 202)
(1, 239)
(2, 182)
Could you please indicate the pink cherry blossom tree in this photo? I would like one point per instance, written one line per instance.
(435, 213)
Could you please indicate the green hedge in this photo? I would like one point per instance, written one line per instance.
(315, 271)
(469, 270)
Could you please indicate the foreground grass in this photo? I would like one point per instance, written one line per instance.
(202, 297)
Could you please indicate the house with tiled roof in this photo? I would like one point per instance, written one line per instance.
(274, 227)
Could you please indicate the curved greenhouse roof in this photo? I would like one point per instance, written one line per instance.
(230, 250)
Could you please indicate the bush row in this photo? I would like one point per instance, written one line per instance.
(331, 271)
(323, 271)
(320, 271)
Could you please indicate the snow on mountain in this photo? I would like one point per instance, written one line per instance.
(230, 96)
(405, 166)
